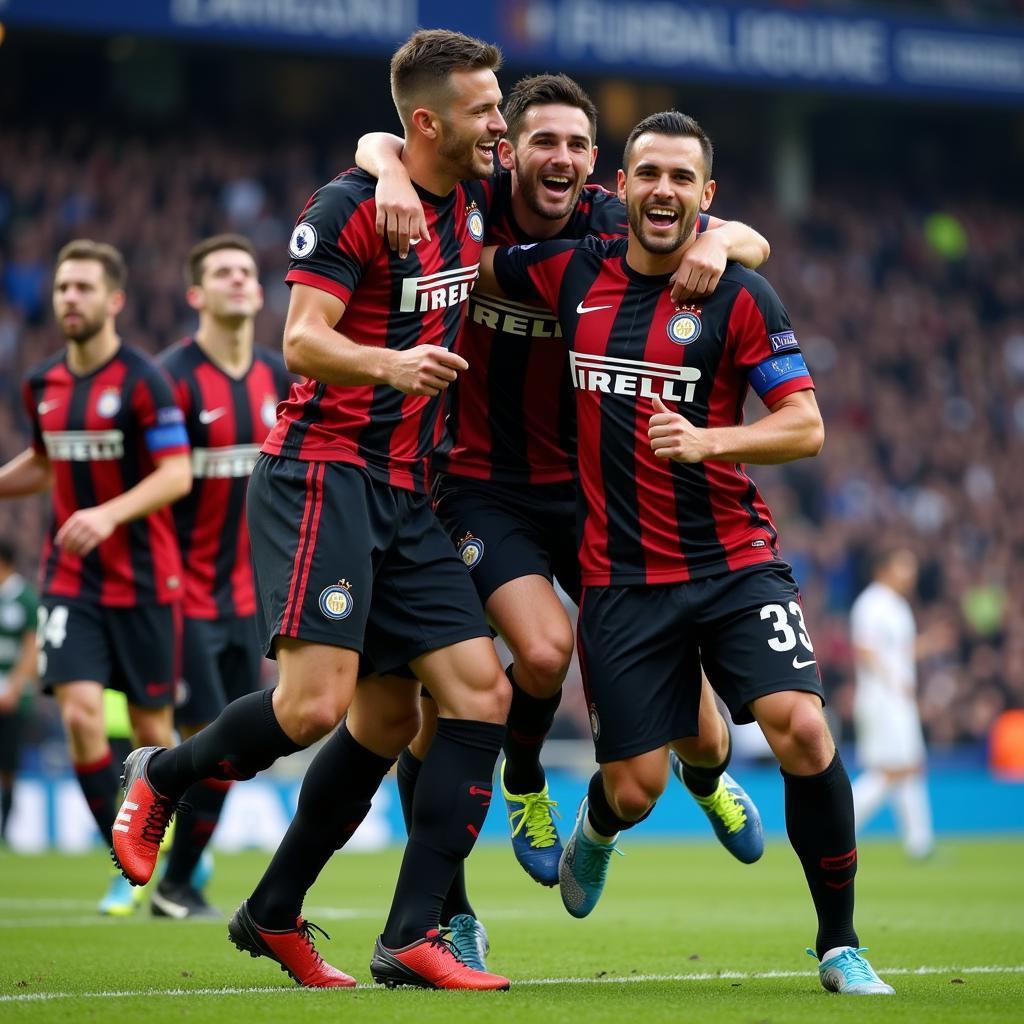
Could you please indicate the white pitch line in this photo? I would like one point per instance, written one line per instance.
(30, 997)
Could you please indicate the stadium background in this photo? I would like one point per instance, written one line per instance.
(879, 148)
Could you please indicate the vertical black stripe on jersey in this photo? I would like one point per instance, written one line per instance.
(567, 413)
(227, 555)
(618, 445)
(451, 252)
(139, 544)
(312, 412)
(91, 576)
(375, 436)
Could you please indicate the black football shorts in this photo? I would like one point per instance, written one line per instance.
(343, 559)
(641, 649)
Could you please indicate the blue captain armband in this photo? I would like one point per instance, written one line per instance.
(778, 370)
(169, 432)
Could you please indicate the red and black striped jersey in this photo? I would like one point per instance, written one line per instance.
(227, 419)
(645, 520)
(389, 302)
(511, 415)
(102, 433)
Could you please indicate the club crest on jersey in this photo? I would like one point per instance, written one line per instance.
(595, 722)
(336, 600)
(475, 222)
(684, 327)
(471, 550)
(108, 404)
(268, 411)
(303, 241)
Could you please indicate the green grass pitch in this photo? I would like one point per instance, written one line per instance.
(683, 934)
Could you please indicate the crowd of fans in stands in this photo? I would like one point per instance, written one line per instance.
(912, 321)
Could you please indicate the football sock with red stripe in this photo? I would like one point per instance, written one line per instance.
(193, 828)
(453, 793)
(245, 738)
(820, 823)
(99, 781)
(529, 722)
(335, 798)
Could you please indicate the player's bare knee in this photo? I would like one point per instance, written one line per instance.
(485, 702)
(631, 800)
(311, 720)
(704, 751)
(541, 666)
(81, 721)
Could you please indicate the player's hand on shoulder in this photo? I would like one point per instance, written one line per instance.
(424, 369)
(673, 436)
(700, 269)
(401, 221)
(85, 530)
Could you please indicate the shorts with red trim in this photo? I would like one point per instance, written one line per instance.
(346, 560)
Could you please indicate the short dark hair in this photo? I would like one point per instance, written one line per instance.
(199, 252)
(8, 553)
(543, 90)
(422, 64)
(671, 122)
(114, 269)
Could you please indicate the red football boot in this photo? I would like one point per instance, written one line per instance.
(293, 949)
(429, 963)
(142, 820)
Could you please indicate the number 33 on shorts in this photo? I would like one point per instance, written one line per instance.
(784, 637)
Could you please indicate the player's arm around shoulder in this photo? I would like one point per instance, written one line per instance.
(401, 220)
(315, 349)
(705, 260)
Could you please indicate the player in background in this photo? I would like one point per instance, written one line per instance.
(505, 483)
(679, 555)
(108, 441)
(349, 558)
(18, 605)
(890, 742)
(228, 391)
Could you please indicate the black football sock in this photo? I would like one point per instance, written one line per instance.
(529, 722)
(245, 738)
(452, 796)
(603, 820)
(335, 798)
(193, 827)
(704, 781)
(820, 823)
(406, 776)
(100, 781)
(408, 772)
(6, 803)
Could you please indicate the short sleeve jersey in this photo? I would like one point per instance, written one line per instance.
(512, 416)
(227, 419)
(643, 519)
(390, 303)
(102, 433)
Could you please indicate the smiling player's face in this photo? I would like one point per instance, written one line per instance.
(470, 124)
(664, 190)
(552, 158)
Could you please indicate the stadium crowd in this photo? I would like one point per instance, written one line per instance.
(911, 318)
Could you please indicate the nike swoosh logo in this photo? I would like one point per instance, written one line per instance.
(797, 663)
(44, 407)
(581, 309)
(209, 415)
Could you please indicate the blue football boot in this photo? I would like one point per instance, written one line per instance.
(535, 839)
(583, 868)
(469, 939)
(849, 974)
(733, 815)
